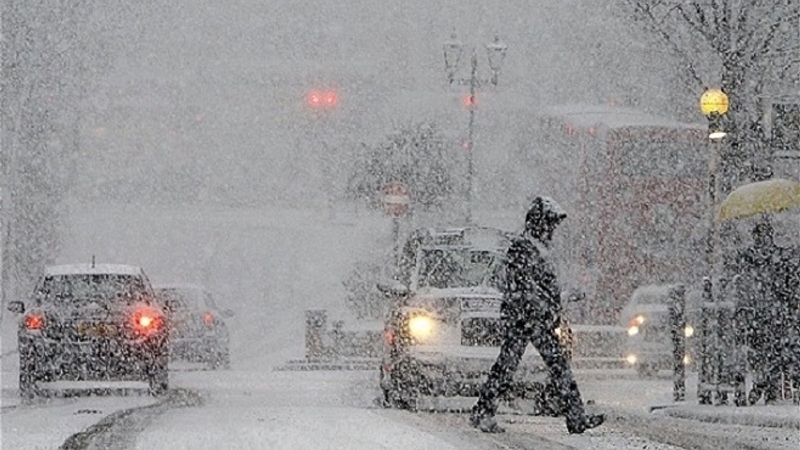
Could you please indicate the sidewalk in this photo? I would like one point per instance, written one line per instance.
(782, 415)
(629, 394)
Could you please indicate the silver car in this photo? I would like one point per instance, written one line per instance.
(198, 331)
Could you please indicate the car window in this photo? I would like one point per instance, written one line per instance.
(77, 290)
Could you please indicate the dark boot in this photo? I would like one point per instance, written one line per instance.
(588, 422)
(754, 396)
(488, 424)
(484, 421)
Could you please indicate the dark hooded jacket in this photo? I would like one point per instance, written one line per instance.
(532, 293)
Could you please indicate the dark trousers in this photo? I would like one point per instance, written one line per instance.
(544, 338)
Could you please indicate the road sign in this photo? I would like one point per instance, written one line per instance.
(396, 198)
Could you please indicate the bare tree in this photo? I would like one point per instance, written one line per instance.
(418, 155)
(746, 47)
(50, 52)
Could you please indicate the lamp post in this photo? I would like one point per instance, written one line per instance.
(495, 52)
(714, 105)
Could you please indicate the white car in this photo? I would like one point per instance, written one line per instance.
(444, 330)
(649, 345)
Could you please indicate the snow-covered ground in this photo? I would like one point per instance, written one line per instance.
(271, 265)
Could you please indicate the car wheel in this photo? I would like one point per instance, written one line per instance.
(158, 379)
(220, 360)
(28, 389)
(225, 359)
(27, 386)
(645, 371)
(403, 390)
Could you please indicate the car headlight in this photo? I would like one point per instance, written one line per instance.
(631, 359)
(639, 319)
(633, 330)
(421, 327)
(688, 331)
(687, 359)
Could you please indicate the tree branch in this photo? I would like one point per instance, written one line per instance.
(639, 7)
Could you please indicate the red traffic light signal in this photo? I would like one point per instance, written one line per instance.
(470, 101)
(322, 99)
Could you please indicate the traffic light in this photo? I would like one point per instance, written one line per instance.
(319, 99)
(470, 101)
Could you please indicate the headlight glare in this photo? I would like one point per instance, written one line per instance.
(420, 327)
(633, 331)
(631, 359)
(688, 331)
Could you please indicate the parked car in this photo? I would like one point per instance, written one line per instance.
(198, 331)
(88, 322)
(649, 345)
(443, 331)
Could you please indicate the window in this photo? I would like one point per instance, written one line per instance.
(82, 289)
(662, 157)
(458, 267)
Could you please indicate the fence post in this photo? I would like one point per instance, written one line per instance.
(677, 318)
(704, 377)
(724, 352)
(315, 326)
(740, 326)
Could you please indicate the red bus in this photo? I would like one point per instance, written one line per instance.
(636, 183)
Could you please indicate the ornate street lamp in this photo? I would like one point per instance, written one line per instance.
(496, 53)
(452, 56)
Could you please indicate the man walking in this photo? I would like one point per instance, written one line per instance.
(531, 311)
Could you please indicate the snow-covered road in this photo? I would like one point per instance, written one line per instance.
(269, 266)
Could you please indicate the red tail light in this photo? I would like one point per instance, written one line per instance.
(147, 320)
(208, 319)
(34, 321)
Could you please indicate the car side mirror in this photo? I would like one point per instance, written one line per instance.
(393, 289)
(573, 295)
(16, 307)
(227, 313)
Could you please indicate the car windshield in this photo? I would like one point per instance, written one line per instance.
(458, 267)
(78, 290)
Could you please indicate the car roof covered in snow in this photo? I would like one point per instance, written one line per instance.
(93, 269)
(185, 287)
